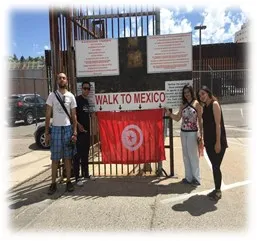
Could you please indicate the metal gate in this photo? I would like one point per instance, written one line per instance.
(97, 167)
(79, 23)
(69, 25)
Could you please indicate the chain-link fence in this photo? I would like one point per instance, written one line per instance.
(229, 86)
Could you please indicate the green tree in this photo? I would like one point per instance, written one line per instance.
(22, 59)
(15, 57)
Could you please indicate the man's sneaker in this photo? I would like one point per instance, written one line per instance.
(185, 181)
(52, 189)
(69, 187)
(195, 183)
(79, 183)
(90, 177)
(216, 195)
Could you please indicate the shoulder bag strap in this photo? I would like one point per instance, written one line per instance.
(62, 104)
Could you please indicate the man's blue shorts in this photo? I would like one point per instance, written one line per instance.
(60, 143)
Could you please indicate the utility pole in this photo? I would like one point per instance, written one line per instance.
(200, 28)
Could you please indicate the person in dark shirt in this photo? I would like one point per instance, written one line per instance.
(83, 138)
(214, 136)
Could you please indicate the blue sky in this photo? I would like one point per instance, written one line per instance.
(29, 33)
(30, 29)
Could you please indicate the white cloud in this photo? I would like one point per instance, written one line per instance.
(35, 48)
(40, 52)
(170, 24)
(216, 19)
(150, 26)
(220, 21)
(189, 8)
(90, 12)
(139, 28)
(127, 32)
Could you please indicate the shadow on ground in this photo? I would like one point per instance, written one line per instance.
(196, 205)
(35, 147)
(35, 192)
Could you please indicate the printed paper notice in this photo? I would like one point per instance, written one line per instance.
(97, 57)
(173, 93)
(169, 53)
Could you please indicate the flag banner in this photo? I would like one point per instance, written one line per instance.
(133, 137)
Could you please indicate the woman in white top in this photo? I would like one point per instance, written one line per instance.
(191, 113)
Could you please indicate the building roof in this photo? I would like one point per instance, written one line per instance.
(26, 65)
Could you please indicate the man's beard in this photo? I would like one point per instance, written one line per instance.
(62, 86)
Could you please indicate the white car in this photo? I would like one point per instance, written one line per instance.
(39, 136)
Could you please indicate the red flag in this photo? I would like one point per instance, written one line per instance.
(132, 137)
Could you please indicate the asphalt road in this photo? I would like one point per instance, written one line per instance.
(21, 139)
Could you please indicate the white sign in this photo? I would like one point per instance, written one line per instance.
(169, 53)
(173, 92)
(91, 95)
(130, 101)
(97, 57)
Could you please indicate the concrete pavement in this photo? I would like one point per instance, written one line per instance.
(25, 167)
(133, 203)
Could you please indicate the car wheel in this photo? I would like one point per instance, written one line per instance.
(40, 140)
(29, 118)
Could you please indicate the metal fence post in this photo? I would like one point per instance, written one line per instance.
(171, 146)
(35, 99)
(211, 78)
(158, 32)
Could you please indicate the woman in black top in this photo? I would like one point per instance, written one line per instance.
(214, 136)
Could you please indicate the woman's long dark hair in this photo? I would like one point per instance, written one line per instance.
(190, 88)
(208, 91)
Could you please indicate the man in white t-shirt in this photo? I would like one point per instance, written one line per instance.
(62, 132)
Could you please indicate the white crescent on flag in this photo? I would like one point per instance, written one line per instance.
(130, 138)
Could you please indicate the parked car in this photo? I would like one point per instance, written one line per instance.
(232, 90)
(39, 136)
(26, 107)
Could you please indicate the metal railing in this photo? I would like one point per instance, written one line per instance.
(98, 168)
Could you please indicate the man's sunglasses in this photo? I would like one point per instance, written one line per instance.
(86, 88)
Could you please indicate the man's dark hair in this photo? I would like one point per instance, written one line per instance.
(85, 82)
